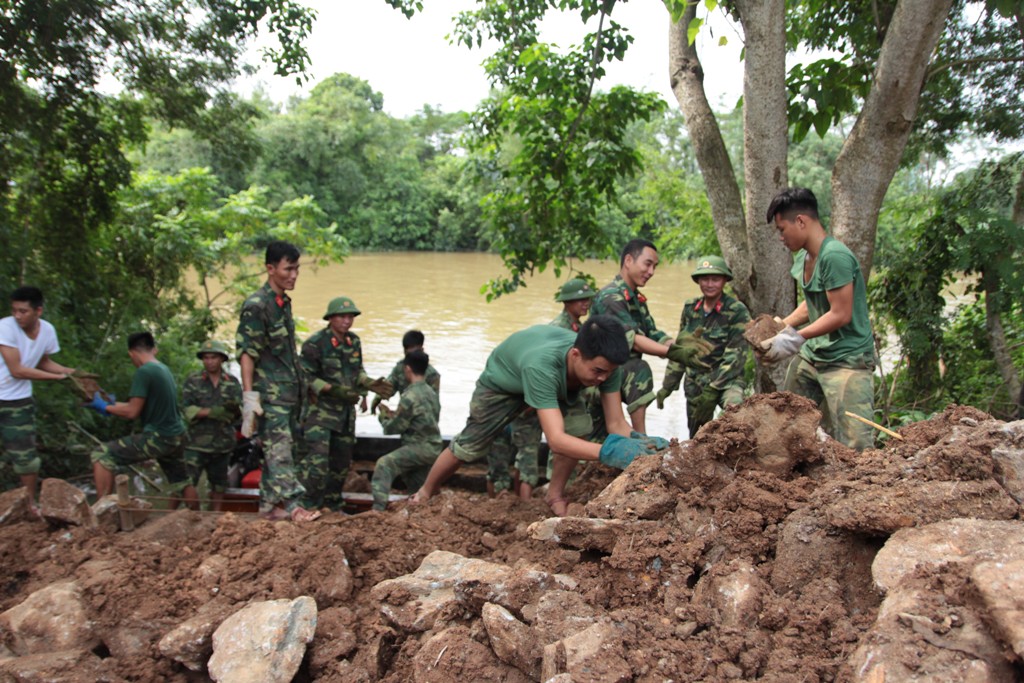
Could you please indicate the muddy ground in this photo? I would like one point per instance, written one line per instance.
(759, 493)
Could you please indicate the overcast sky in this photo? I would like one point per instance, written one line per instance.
(411, 63)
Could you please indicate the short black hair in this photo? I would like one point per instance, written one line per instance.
(792, 201)
(412, 339)
(141, 341)
(417, 361)
(634, 248)
(278, 250)
(603, 335)
(33, 295)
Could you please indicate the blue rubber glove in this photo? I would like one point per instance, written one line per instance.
(658, 443)
(98, 404)
(618, 451)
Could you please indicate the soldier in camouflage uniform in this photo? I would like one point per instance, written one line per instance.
(272, 383)
(719, 319)
(26, 343)
(332, 360)
(211, 400)
(521, 439)
(622, 299)
(153, 398)
(411, 341)
(416, 420)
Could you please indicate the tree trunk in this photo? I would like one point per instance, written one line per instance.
(871, 154)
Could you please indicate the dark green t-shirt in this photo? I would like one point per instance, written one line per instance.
(836, 267)
(531, 364)
(154, 382)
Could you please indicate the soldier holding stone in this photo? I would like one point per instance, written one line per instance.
(715, 378)
(211, 400)
(332, 360)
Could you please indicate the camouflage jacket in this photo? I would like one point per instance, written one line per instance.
(416, 416)
(630, 308)
(206, 434)
(339, 363)
(723, 327)
(397, 378)
(564, 320)
(266, 332)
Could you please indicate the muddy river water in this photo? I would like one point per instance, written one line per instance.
(440, 295)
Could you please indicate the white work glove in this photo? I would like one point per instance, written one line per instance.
(783, 345)
(251, 407)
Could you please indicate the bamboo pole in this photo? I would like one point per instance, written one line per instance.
(123, 503)
(875, 425)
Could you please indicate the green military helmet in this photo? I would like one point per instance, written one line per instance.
(711, 265)
(576, 289)
(340, 305)
(213, 346)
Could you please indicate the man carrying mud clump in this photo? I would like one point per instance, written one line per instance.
(546, 368)
(272, 383)
(333, 362)
(621, 298)
(836, 347)
(719, 319)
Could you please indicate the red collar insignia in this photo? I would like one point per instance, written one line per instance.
(280, 301)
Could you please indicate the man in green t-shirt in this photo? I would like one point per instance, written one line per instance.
(153, 399)
(546, 368)
(836, 347)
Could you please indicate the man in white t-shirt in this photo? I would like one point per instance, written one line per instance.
(26, 344)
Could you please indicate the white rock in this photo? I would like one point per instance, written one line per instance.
(264, 642)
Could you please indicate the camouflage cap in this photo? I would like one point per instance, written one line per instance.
(340, 305)
(575, 289)
(711, 265)
(213, 346)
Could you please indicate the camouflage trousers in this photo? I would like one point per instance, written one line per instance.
(279, 483)
(328, 455)
(837, 389)
(18, 435)
(489, 413)
(215, 464)
(637, 384)
(168, 451)
(518, 442)
(698, 415)
(411, 462)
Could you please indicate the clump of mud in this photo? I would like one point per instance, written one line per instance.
(745, 553)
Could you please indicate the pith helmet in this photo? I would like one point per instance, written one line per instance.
(575, 289)
(341, 305)
(711, 265)
(213, 346)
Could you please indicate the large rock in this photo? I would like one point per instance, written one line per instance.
(920, 637)
(453, 655)
(15, 506)
(67, 665)
(885, 509)
(264, 642)
(52, 619)
(956, 541)
(524, 584)
(730, 595)
(191, 642)
(1008, 460)
(640, 492)
(1001, 586)
(560, 614)
(583, 533)
(412, 602)
(108, 513)
(62, 503)
(512, 641)
(594, 655)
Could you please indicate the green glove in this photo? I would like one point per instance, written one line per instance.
(381, 387)
(218, 413)
(349, 395)
(619, 451)
(655, 443)
(688, 350)
(702, 407)
(661, 396)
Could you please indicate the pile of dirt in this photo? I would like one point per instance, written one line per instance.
(745, 553)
